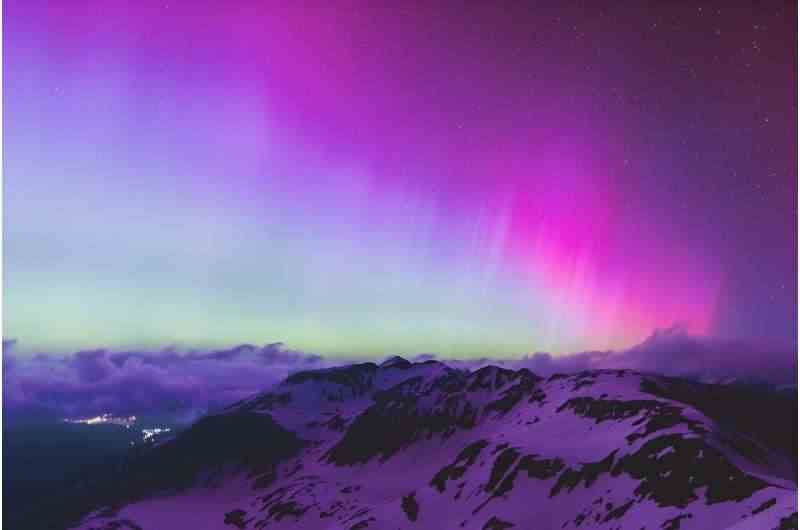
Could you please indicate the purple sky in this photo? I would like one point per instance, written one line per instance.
(471, 180)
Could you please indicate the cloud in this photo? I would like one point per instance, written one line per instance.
(671, 351)
(139, 382)
(547, 364)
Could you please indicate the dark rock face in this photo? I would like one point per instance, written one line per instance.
(526, 387)
(606, 409)
(618, 512)
(456, 470)
(361, 525)
(489, 378)
(410, 507)
(583, 379)
(355, 380)
(396, 362)
(657, 415)
(496, 523)
(396, 420)
(279, 510)
(675, 522)
(765, 506)
(296, 501)
(739, 408)
(535, 468)
(788, 523)
(586, 474)
(236, 518)
(263, 402)
(502, 463)
(671, 468)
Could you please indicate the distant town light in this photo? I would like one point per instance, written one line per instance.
(106, 418)
(148, 434)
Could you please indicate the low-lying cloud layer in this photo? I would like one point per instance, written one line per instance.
(98, 381)
(674, 352)
(183, 384)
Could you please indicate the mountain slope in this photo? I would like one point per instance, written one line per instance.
(422, 445)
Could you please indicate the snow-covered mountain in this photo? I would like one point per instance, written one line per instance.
(422, 445)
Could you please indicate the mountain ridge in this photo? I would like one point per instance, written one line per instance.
(425, 445)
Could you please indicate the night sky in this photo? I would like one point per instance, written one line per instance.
(459, 179)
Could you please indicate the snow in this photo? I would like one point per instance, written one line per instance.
(341, 496)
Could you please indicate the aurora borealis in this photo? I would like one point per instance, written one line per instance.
(468, 180)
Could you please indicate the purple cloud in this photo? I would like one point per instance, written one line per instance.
(97, 381)
(672, 351)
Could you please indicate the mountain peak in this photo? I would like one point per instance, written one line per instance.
(396, 362)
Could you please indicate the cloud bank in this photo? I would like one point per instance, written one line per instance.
(185, 384)
(138, 382)
(673, 352)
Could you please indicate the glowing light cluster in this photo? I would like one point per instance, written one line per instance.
(150, 434)
(104, 419)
